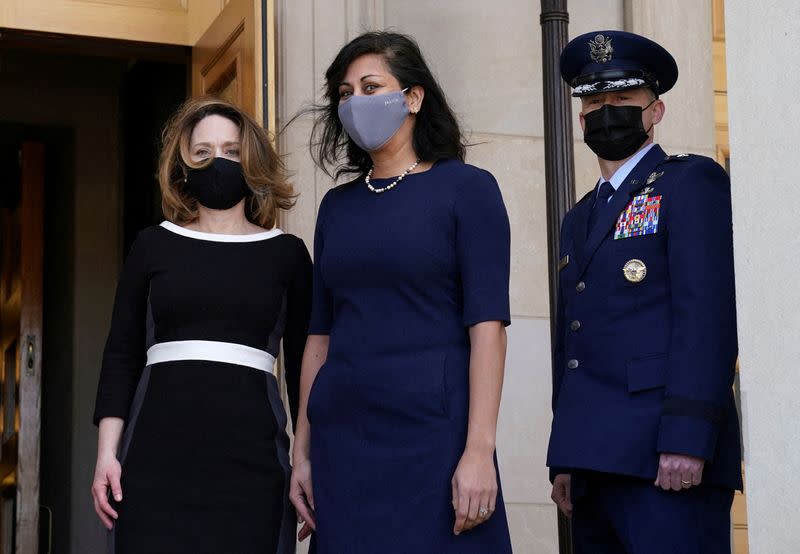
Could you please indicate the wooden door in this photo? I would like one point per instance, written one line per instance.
(22, 216)
(224, 59)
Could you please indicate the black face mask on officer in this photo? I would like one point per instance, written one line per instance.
(220, 186)
(615, 132)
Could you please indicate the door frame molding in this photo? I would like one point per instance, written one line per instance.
(30, 346)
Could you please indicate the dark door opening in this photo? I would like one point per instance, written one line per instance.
(97, 106)
(145, 110)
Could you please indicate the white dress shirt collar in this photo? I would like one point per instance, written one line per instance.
(625, 169)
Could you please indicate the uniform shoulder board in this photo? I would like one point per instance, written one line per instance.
(678, 158)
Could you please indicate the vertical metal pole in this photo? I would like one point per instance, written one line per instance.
(265, 53)
(559, 165)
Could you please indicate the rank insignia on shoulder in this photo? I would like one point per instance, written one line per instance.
(563, 262)
(678, 157)
(639, 218)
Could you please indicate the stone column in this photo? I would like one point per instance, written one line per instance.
(763, 57)
(684, 29)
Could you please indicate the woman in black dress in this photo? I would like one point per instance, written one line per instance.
(192, 446)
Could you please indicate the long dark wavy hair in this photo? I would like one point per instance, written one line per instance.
(437, 135)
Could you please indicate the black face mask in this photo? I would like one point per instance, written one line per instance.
(615, 132)
(220, 186)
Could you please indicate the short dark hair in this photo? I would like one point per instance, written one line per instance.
(437, 135)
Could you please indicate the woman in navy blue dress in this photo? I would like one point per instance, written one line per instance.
(402, 372)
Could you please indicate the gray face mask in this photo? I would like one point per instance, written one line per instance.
(372, 120)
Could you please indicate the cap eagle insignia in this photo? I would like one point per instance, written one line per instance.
(600, 49)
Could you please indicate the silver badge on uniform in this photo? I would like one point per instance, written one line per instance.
(634, 271)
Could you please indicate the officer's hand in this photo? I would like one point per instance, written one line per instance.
(679, 472)
(561, 493)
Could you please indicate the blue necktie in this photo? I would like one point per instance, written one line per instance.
(601, 203)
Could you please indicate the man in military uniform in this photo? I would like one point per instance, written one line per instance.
(644, 449)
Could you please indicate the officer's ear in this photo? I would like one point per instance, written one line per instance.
(658, 111)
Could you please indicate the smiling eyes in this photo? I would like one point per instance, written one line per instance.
(205, 153)
(369, 88)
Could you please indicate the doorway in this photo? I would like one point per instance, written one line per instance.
(54, 299)
(98, 106)
(96, 109)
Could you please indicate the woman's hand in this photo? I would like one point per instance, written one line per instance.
(107, 475)
(475, 480)
(302, 496)
(300, 491)
(474, 489)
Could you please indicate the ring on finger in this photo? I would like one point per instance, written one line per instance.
(686, 484)
(483, 511)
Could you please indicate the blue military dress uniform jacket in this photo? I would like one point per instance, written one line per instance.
(644, 364)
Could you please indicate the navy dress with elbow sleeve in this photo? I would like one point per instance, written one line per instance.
(399, 278)
(198, 322)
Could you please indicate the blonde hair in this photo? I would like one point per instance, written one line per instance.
(263, 169)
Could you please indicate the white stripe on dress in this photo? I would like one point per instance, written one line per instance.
(211, 351)
(220, 237)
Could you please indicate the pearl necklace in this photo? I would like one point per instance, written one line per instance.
(393, 184)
